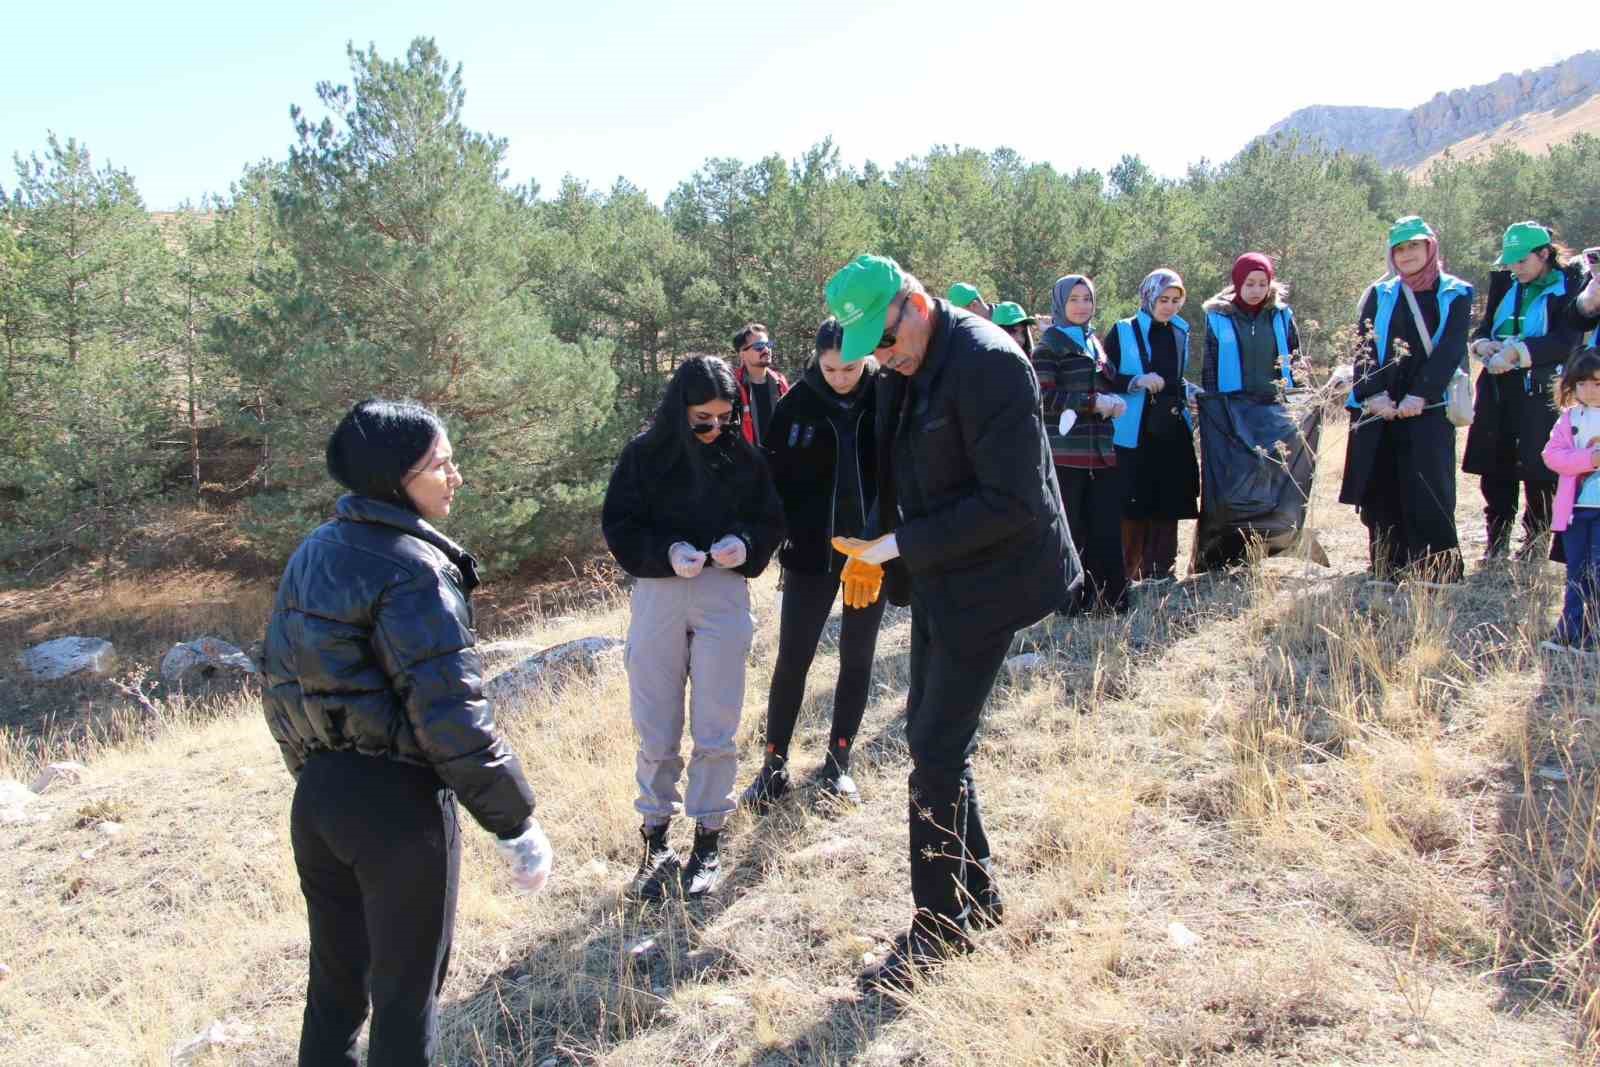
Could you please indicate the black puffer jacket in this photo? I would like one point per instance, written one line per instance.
(371, 649)
(824, 494)
(648, 509)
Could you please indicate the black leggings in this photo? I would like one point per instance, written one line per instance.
(807, 602)
(379, 854)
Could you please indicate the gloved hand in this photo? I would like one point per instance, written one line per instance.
(1150, 383)
(1380, 406)
(1496, 364)
(729, 551)
(1105, 405)
(1410, 407)
(687, 560)
(862, 583)
(529, 856)
(1516, 353)
(1485, 349)
(879, 551)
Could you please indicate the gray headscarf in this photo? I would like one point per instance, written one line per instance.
(1063, 289)
(1155, 283)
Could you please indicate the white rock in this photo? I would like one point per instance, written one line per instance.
(586, 655)
(1551, 774)
(219, 1034)
(596, 867)
(549, 1061)
(204, 660)
(5, 972)
(67, 772)
(1027, 663)
(642, 948)
(14, 801)
(110, 829)
(726, 1000)
(66, 656)
(1181, 936)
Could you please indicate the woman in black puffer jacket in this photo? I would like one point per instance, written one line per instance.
(823, 457)
(374, 694)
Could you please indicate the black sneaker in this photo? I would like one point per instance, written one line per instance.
(835, 784)
(914, 956)
(704, 870)
(659, 869)
(768, 788)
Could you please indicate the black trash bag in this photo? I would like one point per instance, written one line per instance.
(1257, 459)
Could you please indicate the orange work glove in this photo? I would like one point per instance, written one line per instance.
(862, 583)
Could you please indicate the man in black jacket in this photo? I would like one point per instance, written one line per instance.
(972, 527)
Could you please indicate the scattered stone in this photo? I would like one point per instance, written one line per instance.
(88, 854)
(219, 1034)
(643, 948)
(14, 801)
(726, 1000)
(832, 848)
(5, 972)
(549, 1061)
(67, 656)
(110, 829)
(562, 620)
(596, 867)
(1019, 667)
(67, 772)
(1551, 774)
(544, 669)
(204, 662)
(1181, 936)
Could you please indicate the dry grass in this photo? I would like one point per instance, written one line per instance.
(1338, 791)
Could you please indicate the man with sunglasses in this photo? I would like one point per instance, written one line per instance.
(760, 386)
(974, 537)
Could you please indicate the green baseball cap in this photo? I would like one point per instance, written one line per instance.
(1410, 228)
(1010, 313)
(1520, 239)
(963, 293)
(859, 295)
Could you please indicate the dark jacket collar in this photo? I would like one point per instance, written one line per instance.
(355, 508)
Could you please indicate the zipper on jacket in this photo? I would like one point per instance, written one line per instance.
(833, 497)
(861, 490)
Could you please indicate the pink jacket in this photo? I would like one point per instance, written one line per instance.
(1572, 463)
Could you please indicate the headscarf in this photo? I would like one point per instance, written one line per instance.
(1413, 228)
(1061, 291)
(1155, 283)
(1243, 267)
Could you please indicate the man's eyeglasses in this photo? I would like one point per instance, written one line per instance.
(759, 346)
(888, 338)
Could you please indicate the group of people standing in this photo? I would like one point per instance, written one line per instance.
(932, 454)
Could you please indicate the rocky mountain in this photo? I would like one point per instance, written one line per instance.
(1532, 110)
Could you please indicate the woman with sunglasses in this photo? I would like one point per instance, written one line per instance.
(822, 449)
(692, 514)
(373, 692)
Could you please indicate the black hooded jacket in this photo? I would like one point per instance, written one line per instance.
(371, 649)
(825, 493)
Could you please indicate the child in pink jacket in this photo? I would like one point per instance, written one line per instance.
(1573, 453)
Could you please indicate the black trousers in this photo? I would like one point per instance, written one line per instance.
(807, 602)
(1093, 500)
(1500, 507)
(949, 849)
(378, 850)
(1409, 503)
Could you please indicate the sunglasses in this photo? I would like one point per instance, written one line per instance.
(759, 346)
(707, 423)
(888, 339)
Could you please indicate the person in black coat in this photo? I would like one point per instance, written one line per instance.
(973, 534)
(374, 694)
(692, 514)
(820, 448)
(1523, 341)
(1400, 469)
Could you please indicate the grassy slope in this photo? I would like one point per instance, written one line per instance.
(1334, 790)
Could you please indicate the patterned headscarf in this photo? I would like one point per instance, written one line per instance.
(1155, 283)
(1062, 290)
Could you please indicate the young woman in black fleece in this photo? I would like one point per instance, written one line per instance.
(822, 451)
(690, 513)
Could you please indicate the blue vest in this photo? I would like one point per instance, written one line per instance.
(1451, 289)
(1125, 428)
(1592, 338)
(1536, 323)
(1230, 372)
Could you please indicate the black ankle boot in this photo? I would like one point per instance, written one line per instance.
(704, 870)
(659, 869)
(769, 786)
(835, 780)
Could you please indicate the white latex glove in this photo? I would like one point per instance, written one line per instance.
(1150, 383)
(1119, 406)
(729, 551)
(529, 856)
(687, 561)
(1485, 349)
(1517, 354)
(1410, 407)
(1105, 405)
(1069, 419)
(1589, 299)
(880, 551)
(1496, 364)
(1381, 406)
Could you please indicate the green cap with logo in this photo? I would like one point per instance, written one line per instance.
(859, 295)
(1520, 239)
(1410, 228)
(1010, 313)
(963, 293)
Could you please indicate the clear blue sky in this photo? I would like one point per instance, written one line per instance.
(184, 94)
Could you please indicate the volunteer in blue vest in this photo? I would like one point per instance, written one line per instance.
(1079, 394)
(1399, 469)
(1251, 339)
(1149, 354)
(1523, 342)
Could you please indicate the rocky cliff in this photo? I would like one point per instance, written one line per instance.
(1399, 138)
